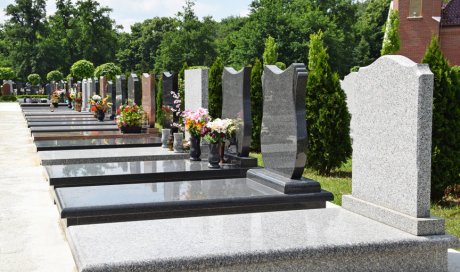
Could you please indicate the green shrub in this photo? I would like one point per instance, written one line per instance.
(328, 120)
(270, 55)
(256, 104)
(34, 79)
(280, 65)
(391, 41)
(6, 73)
(8, 98)
(215, 89)
(82, 69)
(445, 156)
(54, 76)
(109, 70)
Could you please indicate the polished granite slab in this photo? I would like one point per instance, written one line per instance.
(97, 143)
(56, 113)
(114, 203)
(59, 118)
(94, 122)
(80, 135)
(136, 172)
(112, 127)
(26, 105)
(331, 239)
(110, 155)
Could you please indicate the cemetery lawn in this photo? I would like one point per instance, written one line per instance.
(339, 183)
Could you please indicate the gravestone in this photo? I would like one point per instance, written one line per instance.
(84, 95)
(96, 86)
(170, 84)
(390, 102)
(70, 84)
(121, 89)
(113, 95)
(236, 104)
(148, 97)
(134, 89)
(48, 89)
(79, 88)
(196, 89)
(7, 88)
(103, 87)
(92, 86)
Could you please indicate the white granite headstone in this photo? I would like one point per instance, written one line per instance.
(390, 102)
(85, 95)
(196, 89)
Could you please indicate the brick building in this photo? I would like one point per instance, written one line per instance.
(421, 19)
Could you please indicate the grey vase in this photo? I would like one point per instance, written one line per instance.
(165, 133)
(178, 145)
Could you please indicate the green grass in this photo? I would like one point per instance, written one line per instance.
(339, 183)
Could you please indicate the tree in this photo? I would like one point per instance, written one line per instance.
(391, 40)
(328, 120)
(34, 79)
(6, 73)
(270, 53)
(54, 76)
(215, 88)
(109, 70)
(82, 69)
(445, 154)
(256, 104)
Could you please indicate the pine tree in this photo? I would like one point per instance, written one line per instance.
(445, 156)
(328, 120)
(256, 104)
(391, 41)
(271, 51)
(215, 88)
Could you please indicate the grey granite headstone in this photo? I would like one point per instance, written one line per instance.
(96, 86)
(47, 89)
(391, 108)
(236, 104)
(196, 89)
(284, 133)
(84, 95)
(113, 96)
(92, 87)
(170, 84)
(134, 89)
(148, 97)
(79, 86)
(121, 88)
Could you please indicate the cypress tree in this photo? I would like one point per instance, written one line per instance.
(215, 88)
(391, 41)
(270, 55)
(256, 104)
(445, 155)
(328, 120)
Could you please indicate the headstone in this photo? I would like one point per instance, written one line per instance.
(96, 86)
(113, 94)
(103, 86)
(7, 88)
(134, 89)
(48, 89)
(70, 83)
(196, 89)
(170, 84)
(148, 97)
(92, 86)
(236, 104)
(79, 88)
(121, 89)
(84, 95)
(391, 108)
(284, 134)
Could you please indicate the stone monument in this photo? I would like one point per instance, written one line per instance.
(391, 108)
(121, 89)
(134, 89)
(84, 95)
(96, 86)
(148, 97)
(170, 84)
(92, 86)
(113, 96)
(103, 87)
(196, 89)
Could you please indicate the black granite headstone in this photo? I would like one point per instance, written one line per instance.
(170, 84)
(236, 105)
(121, 88)
(47, 89)
(134, 89)
(96, 86)
(113, 94)
(284, 130)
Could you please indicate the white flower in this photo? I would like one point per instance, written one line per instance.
(96, 97)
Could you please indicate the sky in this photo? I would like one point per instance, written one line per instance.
(127, 12)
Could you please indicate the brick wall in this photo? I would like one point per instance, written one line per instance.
(450, 44)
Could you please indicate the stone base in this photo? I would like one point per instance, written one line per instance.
(153, 131)
(308, 240)
(241, 161)
(412, 225)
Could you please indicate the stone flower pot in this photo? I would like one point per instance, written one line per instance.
(195, 148)
(178, 142)
(214, 155)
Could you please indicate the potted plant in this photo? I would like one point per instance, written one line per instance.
(55, 99)
(100, 105)
(129, 118)
(72, 97)
(194, 122)
(215, 134)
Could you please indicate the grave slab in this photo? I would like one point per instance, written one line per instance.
(97, 143)
(70, 123)
(61, 118)
(112, 203)
(306, 240)
(112, 127)
(80, 135)
(109, 155)
(136, 172)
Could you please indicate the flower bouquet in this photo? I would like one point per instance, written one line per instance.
(215, 134)
(55, 98)
(99, 105)
(194, 122)
(129, 118)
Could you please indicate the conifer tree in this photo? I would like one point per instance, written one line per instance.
(256, 104)
(391, 41)
(271, 51)
(215, 88)
(328, 120)
(445, 156)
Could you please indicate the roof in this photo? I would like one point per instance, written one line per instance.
(450, 15)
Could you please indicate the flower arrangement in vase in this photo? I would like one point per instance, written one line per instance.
(215, 133)
(100, 105)
(129, 117)
(194, 122)
(55, 98)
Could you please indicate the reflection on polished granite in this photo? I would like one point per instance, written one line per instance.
(63, 118)
(97, 143)
(112, 127)
(78, 135)
(71, 123)
(136, 172)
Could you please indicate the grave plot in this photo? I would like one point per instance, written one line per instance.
(93, 122)
(81, 135)
(98, 127)
(97, 143)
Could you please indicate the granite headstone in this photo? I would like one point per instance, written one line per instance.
(103, 86)
(196, 89)
(170, 85)
(84, 95)
(134, 89)
(148, 97)
(391, 108)
(121, 89)
(47, 89)
(96, 86)
(113, 95)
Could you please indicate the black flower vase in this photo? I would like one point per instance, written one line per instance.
(195, 148)
(100, 115)
(214, 156)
